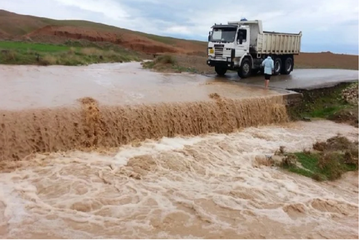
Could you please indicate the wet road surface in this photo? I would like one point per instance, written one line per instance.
(298, 79)
(111, 84)
(127, 83)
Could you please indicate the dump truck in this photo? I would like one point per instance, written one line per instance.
(242, 46)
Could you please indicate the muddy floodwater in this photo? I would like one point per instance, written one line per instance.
(209, 186)
(114, 151)
(111, 84)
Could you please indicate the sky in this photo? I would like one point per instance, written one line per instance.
(326, 25)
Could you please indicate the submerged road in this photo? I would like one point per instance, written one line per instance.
(298, 79)
(23, 87)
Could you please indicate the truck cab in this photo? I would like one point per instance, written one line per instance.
(242, 46)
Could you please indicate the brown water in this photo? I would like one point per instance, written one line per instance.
(77, 160)
(49, 130)
(29, 87)
(208, 186)
(47, 109)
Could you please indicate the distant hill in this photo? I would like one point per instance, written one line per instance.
(23, 27)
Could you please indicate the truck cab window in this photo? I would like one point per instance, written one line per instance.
(223, 35)
(241, 36)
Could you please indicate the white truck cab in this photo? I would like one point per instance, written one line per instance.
(242, 46)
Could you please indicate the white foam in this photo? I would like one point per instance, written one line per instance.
(153, 147)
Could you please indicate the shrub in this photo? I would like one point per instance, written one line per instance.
(47, 60)
(165, 59)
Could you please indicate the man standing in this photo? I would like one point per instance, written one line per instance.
(268, 65)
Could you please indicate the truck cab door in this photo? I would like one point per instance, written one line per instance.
(242, 42)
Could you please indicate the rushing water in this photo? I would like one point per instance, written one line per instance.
(206, 186)
(114, 151)
(48, 130)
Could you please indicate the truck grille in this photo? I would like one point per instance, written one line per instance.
(219, 49)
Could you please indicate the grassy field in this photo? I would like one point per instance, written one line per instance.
(50, 54)
(39, 47)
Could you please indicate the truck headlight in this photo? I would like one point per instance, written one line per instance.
(211, 51)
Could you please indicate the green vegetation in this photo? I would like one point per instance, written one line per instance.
(328, 161)
(328, 103)
(167, 63)
(50, 54)
(38, 47)
(321, 167)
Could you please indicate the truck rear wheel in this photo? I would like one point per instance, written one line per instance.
(288, 66)
(220, 71)
(245, 69)
(277, 66)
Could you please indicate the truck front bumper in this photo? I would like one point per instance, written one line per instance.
(222, 64)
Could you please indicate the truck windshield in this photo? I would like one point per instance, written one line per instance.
(223, 35)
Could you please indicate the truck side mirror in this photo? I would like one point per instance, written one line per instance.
(209, 36)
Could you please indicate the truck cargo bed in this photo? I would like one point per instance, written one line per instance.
(278, 43)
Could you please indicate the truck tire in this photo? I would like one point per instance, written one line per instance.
(277, 66)
(288, 66)
(245, 69)
(220, 71)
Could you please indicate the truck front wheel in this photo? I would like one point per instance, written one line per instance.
(220, 71)
(245, 69)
